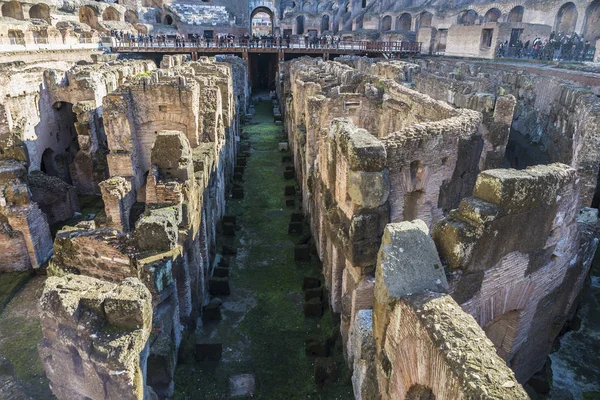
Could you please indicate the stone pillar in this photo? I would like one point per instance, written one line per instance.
(118, 199)
(95, 337)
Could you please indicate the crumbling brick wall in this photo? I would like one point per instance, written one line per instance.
(555, 117)
(179, 177)
(518, 254)
(95, 337)
(417, 342)
(367, 151)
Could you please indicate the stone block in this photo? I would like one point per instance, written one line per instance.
(158, 231)
(283, 146)
(241, 386)
(363, 151)
(313, 293)
(212, 311)
(221, 272)
(237, 193)
(310, 283)
(295, 228)
(208, 351)
(228, 250)
(218, 286)
(408, 262)
(313, 308)
(317, 346)
(228, 229)
(302, 252)
(368, 189)
(326, 370)
(290, 190)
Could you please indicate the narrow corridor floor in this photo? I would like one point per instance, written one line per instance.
(263, 328)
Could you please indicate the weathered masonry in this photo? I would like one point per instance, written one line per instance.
(370, 152)
(171, 140)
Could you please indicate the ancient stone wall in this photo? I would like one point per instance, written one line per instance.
(518, 254)
(164, 197)
(555, 119)
(392, 157)
(417, 342)
(95, 337)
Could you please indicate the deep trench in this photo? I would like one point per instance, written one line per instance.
(263, 328)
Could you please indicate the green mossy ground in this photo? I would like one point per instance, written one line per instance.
(10, 284)
(20, 334)
(263, 332)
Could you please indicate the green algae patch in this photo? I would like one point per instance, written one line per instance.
(20, 334)
(10, 284)
(267, 338)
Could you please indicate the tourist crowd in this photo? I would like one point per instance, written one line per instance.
(223, 40)
(558, 47)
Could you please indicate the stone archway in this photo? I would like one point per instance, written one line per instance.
(89, 16)
(111, 14)
(386, 23)
(566, 18)
(516, 14)
(591, 30)
(131, 17)
(40, 11)
(13, 9)
(419, 392)
(261, 21)
(324, 23)
(424, 20)
(299, 24)
(502, 332)
(168, 20)
(467, 17)
(493, 15)
(404, 22)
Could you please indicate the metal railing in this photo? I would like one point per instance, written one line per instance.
(345, 45)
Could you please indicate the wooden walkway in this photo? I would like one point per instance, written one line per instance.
(364, 48)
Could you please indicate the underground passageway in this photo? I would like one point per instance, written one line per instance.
(263, 328)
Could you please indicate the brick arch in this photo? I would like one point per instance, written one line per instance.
(89, 16)
(40, 11)
(111, 14)
(13, 9)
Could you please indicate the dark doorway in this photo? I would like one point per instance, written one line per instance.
(263, 68)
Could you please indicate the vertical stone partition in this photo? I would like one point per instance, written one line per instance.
(518, 253)
(172, 137)
(417, 342)
(95, 337)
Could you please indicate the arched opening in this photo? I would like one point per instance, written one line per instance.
(425, 20)
(47, 165)
(88, 16)
(299, 24)
(168, 20)
(158, 17)
(467, 17)
(591, 29)
(419, 392)
(16, 36)
(386, 23)
(13, 9)
(502, 331)
(131, 17)
(40, 11)
(516, 14)
(566, 18)
(325, 23)
(404, 22)
(493, 15)
(261, 20)
(110, 14)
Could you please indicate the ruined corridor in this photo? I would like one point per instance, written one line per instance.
(263, 328)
